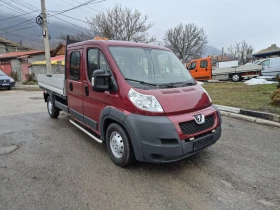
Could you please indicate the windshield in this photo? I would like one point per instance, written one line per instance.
(258, 61)
(2, 73)
(149, 65)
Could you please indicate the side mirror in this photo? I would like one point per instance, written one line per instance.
(100, 80)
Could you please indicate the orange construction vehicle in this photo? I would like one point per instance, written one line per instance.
(202, 70)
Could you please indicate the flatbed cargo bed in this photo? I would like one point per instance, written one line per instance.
(54, 82)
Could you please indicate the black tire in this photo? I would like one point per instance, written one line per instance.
(9, 88)
(52, 110)
(235, 77)
(127, 157)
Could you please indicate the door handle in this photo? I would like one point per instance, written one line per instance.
(86, 91)
(206, 69)
(195, 70)
(71, 86)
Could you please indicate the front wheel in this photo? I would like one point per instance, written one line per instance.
(52, 110)
(119, 146)
(235, 78)
(9, 88)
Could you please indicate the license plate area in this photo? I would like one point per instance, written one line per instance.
(203, 142)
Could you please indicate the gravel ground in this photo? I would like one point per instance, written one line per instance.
(49, 164)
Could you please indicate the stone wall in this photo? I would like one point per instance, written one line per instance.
(41, 69)
(16, 67)
(35, 58)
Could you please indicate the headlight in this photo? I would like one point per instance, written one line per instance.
(144, 102)
(12, 80)
(207, 94)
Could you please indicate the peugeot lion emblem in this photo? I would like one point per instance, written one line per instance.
(199, 119)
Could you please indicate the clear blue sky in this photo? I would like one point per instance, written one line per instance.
(225, 21)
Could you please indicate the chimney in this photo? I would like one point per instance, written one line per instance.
(273, 46)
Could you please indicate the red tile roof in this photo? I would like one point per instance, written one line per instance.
(20, 54)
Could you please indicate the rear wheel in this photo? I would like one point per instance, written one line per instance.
(53, 111)
(119, 146)
(236, 78)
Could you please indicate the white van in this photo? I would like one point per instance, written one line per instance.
(271, 66)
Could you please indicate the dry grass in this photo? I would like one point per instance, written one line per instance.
(254, 97)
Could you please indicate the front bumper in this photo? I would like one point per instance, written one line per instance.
(11, 84)
(156, 139)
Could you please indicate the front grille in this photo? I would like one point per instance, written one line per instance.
(191, 127)
(4, 80)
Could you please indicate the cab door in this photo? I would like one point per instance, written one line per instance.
(192, 67)
(94, 102)
(204, 71)
(266, 68)
(74, 83)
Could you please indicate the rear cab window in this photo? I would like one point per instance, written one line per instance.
(203, 64)
(75, 60)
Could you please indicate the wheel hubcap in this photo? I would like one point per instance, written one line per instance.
(235, 77)
(50, 107)
(116, 144)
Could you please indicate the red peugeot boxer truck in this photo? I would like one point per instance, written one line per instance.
(138, 99)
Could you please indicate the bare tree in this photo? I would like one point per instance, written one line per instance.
(188, 41)
(241, 51)
(122, 24)
(81, 36)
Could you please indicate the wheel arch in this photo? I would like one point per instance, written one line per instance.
(111, 115)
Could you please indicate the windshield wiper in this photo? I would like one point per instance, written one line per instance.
(173, 84)
(141, 82)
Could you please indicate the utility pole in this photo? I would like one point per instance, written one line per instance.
(222, 54)
(46, 37)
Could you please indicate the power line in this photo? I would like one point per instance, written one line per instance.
(4, 12)
(28, 4)
(88, 6)
(14, 26)
(16, 9)
(8, 7)
(24, 28)
(78, 6)
(70, 23)
(22, 4)
(14, 6)
(71, 17)
(19, 15)
(71, 4)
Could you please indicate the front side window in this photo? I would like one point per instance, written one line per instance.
(266, 63)
(75, 65)
(192, 66)
(149, 65)
(92, 61)
(103, 63)
(96, 60)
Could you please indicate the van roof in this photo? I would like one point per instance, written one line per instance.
(105, 43)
